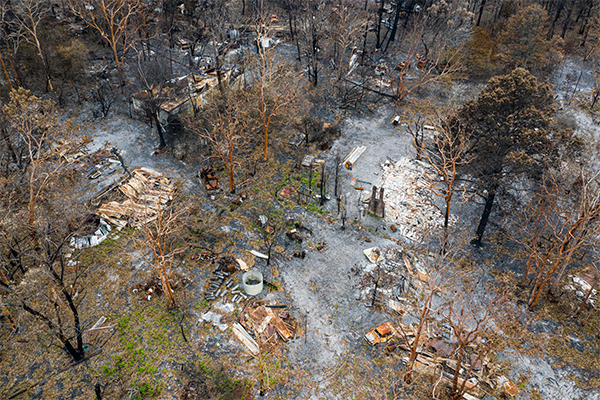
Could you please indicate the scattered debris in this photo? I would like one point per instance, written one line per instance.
(381, 334)
(374, 254)
(222, 275)
(396, 306)
(584, 285)
(353, 156)
(153, 286)
(252, 282)
(259, 254)
(147, 191)
(94, 239)
(294, 236)
(215, 318)
(90, 334)
(296, 139)
(242, 264)
(244, 337)
(507, 386)
(286, 192)
(299, 254)
(208, 176)
(308, 161)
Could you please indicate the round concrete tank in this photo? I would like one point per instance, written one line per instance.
(252, 282)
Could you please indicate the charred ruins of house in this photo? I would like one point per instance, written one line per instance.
(147, 192)
(177, 98)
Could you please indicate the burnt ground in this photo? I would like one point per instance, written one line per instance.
(323, 290)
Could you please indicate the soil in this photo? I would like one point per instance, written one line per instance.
(322, 288)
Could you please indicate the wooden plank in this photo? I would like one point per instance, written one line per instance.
(353, 156)
(247, 340)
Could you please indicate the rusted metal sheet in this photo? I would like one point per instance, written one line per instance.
(381, 334)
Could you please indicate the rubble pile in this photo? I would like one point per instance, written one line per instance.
(209, 177)
(153, 286)
(268, 324)
(584, 284)
(408, 204)
(392, 278)
(147, 192)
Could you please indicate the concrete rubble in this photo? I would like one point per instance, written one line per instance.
(408, 204)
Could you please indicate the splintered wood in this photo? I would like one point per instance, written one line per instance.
(147, 192)
(268, 323)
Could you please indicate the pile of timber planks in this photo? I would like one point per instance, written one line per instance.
(147, 192)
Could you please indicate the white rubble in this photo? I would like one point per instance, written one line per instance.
(408, 202)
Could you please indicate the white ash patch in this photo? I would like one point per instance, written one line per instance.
(408, 202)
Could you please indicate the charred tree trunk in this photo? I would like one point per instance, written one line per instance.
(395, 25)
(480, 12)
(489, 203)
(559, 9)
(159, 130)
(379, 19)
(566, 24)
(76, 354)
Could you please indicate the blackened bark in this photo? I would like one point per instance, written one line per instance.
(76, 354)
(395, 26)
(489, 203)
(567, 22)
(480, 12)
(159, 130)
(559, 9)
(97, 391)
(379, 18)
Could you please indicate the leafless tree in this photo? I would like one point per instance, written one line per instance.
(445, 157)
(275, 86)
(221, 124)
(160, 236)
(417, 65)
(54, 287)
(30, 14)
(36, 123)
(554, 227)
(474, 317)
(349, 21)
(104, 96)
(115, 21)
(153, 75)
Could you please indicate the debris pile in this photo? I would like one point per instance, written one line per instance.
(268, 324)
(264, 324)
(147, 192)
(437, 353)
(408, 204)
(222, 277)
(92, 239)
(153, 286)
(209, 178)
